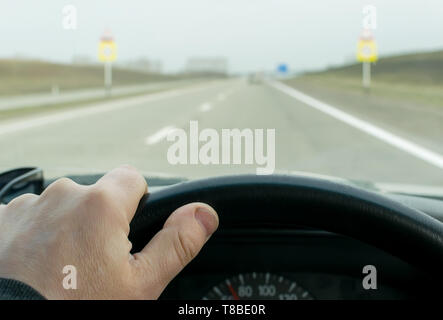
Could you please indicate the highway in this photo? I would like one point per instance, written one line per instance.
(307, 138)
(40, 99)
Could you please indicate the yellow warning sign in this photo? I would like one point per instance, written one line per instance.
(366, 50)
(107, 51)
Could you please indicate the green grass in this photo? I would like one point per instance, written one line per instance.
(412, 77)
(19, 77)
(417, 68)
(31, 76)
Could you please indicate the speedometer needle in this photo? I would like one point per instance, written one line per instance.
(234, 294)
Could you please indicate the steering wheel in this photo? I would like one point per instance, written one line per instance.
(291, 201)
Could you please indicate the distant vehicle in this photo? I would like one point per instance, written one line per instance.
(256, 78)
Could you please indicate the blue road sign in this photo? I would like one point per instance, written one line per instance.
(282, 68)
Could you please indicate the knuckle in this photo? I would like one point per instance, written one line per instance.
(97, 196)
(132, 174)
(129, 168)
(100, 200)
(129, 171)
(24, 199)
(61, 185)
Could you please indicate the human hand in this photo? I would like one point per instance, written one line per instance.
(87, 227)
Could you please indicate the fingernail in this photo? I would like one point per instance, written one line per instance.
(208, 219)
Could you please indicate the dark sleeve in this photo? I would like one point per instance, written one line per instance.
(16, 290)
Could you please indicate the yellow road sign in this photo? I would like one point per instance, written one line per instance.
(107, 51)
(366, 50)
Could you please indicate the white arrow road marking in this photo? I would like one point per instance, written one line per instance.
(381, 134)
(159, 135)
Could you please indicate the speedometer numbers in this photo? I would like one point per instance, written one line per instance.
(264, 286)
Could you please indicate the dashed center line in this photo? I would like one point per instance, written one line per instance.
(159, 135)
(165, 131)
(96, 108)
(206, 106)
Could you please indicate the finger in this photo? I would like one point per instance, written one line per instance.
(172, 248)
(24, 199)
(126, 186)
(60, 187)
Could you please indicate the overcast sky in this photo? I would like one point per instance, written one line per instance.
(252, 34)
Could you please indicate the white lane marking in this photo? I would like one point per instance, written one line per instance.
(381, 134)
(292, 287)
(159, 135)
(205, 107)
(19, 125)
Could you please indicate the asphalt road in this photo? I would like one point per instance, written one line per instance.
(98, 138)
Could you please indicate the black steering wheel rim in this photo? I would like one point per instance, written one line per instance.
(290, 201)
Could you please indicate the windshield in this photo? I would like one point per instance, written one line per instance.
(203, 88)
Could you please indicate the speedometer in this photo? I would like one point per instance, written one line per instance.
(250, 286)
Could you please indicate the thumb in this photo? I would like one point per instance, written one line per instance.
(172, 248)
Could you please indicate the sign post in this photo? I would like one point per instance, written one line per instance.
(107, 53)
(366, 54)
(366, 81)
(108, 77)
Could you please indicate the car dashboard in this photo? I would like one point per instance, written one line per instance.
(293, 264)
(296, 263)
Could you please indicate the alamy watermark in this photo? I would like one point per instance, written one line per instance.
(227, 147)
(370, 279)
(70, 280)
(69, 17)
(369, 21)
